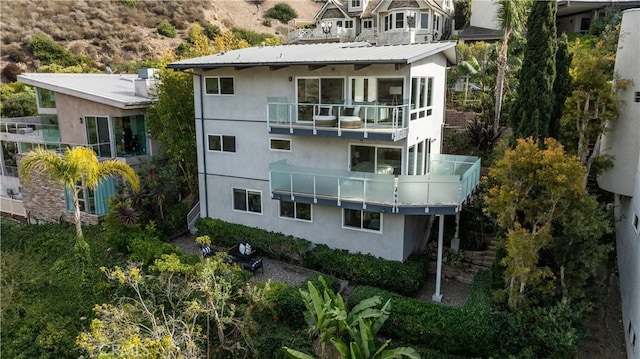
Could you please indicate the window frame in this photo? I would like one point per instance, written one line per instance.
(222, 143)
(295, 211)
(271, 141)
(247, 203)
(219, 80)
(48, 101)
(362, 228)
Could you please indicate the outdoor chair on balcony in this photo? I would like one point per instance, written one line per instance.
(323, 116)
(350, 117)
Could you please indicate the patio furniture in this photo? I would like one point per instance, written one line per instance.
(350, 117)
(323, 116)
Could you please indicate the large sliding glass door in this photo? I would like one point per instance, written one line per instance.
(314, 91)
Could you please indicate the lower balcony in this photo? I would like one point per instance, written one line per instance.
(372, 121)
(452, 179)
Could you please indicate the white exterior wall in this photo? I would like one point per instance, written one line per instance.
(623, 141)
(244, 116)
(624, 179)
(483, 13)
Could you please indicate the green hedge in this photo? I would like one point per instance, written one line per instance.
(401, 277)
(466, 331)
(273, 245)
(405, 278)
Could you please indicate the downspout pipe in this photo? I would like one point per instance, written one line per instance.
(204, 152)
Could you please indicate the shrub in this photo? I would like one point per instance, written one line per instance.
(274, 335)
(211, 30)
(283, 12)
(467, 331)
(549, 332)
(49, 52)
(266, 22)
(401, 277)
(166, 29)
(252, 37)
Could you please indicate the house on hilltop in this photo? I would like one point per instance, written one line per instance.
(105, 112)
(572, 16)
(381, 22)
(337, 143)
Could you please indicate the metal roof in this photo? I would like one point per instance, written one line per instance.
(334, 53)
(115, 90)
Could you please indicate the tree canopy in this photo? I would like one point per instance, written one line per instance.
(537, 197)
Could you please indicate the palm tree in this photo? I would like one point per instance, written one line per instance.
(510, 16)
(77, 168)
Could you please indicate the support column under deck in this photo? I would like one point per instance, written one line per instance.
(437, 296)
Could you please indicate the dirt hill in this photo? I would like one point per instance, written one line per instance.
(109, 31)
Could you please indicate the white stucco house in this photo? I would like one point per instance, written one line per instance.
(623, 179)
(337, 143)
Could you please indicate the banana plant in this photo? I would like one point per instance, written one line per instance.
(329, 322)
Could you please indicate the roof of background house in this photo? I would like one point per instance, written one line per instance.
(115, 90)
(319, 54)
(476, 32)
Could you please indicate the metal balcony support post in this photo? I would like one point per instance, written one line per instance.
(437, 296)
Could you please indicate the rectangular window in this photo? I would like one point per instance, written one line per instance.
(355, 3)
(380, 160)
(429, 93)
(219, 85)
(247, 200)
(46, 98)
(348, 24)
(367, 24)
(130, 135)
(221, 143)
(399, 20)
(98, 135)
(365, 220)
(295, 210)
(637, 97)
(387, 19)
(424, 20)
(277, 144)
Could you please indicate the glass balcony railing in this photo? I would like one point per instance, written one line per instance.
(369, 120)
(37, 127)
(451, 180)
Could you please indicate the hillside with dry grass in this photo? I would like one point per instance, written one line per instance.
(111, 32)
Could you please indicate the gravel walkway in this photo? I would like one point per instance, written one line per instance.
(454, 292)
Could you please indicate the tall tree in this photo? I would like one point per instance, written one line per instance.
(561, 85)
(510, 16)
(533, 190)
(531, 112)
(592, 102)
(76, 169)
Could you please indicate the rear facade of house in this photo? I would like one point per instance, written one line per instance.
(336, 143)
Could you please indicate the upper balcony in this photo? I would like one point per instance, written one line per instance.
(450, 182)
(306, 31)
(32, 129)
(356, 121)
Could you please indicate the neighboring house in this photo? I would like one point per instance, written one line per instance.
(105, 112)
(381, 22)
(573, 16)
(337, 143)
(623, 179)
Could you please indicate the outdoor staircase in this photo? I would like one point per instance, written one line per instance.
(473, 262)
